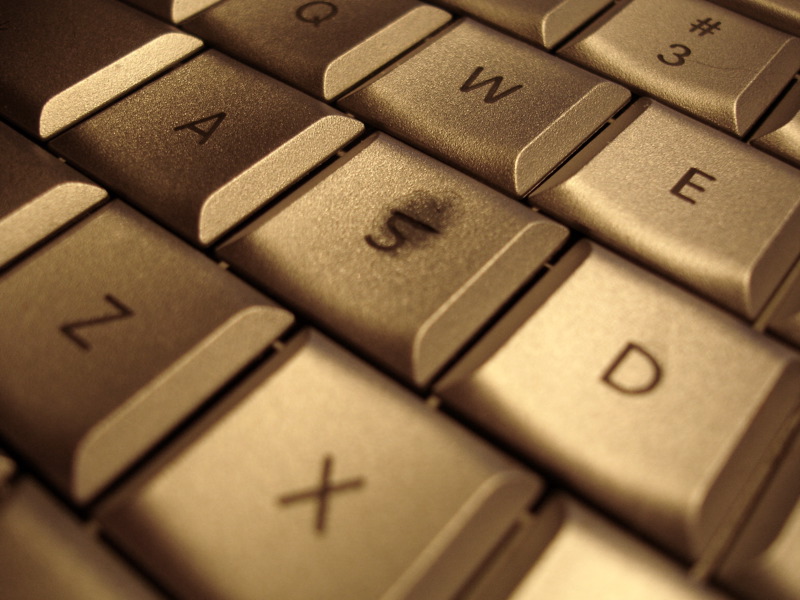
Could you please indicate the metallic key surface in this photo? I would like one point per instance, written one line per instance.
(489, 104)
(779, 134)
(38, 194)
(783, 14)
(64, 60)
(397, 253)
(322, 48)
(687, 200)
(696, 56)
(207, 144)
(325, 479)
(653, 403)
(173, 10)
(109, 337)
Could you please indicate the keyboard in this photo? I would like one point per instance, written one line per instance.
(400, 300)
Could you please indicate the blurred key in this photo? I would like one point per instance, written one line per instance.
(397, 253)
(323, 48)
(62, 60)
(654, 404)
(324, 479)
(782, 14)
(173, 10)
(207, 144)
(38, 194)
(687, 200)
(714, 64)
(779, 134)
(489, 104)
(109, 337)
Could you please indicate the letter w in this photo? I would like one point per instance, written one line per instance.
(492, 94)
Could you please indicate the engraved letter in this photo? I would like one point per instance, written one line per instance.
(634, 371)
(686, 180)
(392, 223)
(492, 94)
(206, 133)
(70, 329)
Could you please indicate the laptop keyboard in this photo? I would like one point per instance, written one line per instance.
(443, 300)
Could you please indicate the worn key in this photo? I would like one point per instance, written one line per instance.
(489, 104)
(109, 337)
(714, 64)
(323, 48)
(779, 134)
(399, 254)
(64, 60)
(653, 403)
(38, 194)
(690, 201)
(324, 479)
(207, 144)
(173, 10)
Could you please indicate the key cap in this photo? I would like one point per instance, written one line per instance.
(782, 14)
(323, 48)
(649, 401)
(461, 98)
(397, 253)
(38, 194)
(44, 553)
(780, 132)
(64, 60)
(109, 337)
(785, 320)
(325, 479)
(173, 10)
(696, 204)
(177, 147)
(543, 22)
(693, 55)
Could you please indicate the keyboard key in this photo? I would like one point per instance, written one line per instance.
(543, 22)
(780, 132)
(399, 254)
(109, 337)
(324, 479)
(323, 48)
(696, 56)
(782, 14)
(652, 403)
(64, 60)
(173, 10)
(461, 98)
(785, 319)
(207, 144)
(696, 204)
(38, 194)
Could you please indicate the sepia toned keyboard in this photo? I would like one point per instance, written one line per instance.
(400, 299)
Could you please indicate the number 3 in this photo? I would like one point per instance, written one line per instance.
(681, 57)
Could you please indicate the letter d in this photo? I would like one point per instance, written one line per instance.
(634, 371)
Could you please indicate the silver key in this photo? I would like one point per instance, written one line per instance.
(173, 10)
(692, 202)
(64, 60)
(489, 104)
(779, 134)
(38, 194)
(781, 14)
(651, 402)
(109, 337)
(696, 56)
(323, 48)
(175, 148)
(399, 254)
(325, 479)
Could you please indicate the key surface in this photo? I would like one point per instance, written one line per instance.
(488, 104)
(780, 132)
(687, 200)
(325, 479)
(109, 337)
(64, 60)
(782, 14)
(173, 10)
(397, 253)
(651, 402)
(322, 48)
(38, 194)
(693, 55)
(207, 144)
(785, 320)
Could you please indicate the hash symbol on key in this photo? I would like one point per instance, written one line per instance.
(705, 26)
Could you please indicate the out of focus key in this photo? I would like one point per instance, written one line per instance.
(781, 14)
(173, 10)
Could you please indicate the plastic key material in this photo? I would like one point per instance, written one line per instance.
(489, 104)
(109, 337)
(781, 14)
(323, 479)
(399, 254)
(696, 56)
(779, 134)
(173, 10)
(654, 404)
(207, 144)
(64, 60)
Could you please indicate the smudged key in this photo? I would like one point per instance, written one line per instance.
(109, 337)
(64, 60)
(207, 144)
(399, 254)
(489, 104)
(324, 479)
(322, 48)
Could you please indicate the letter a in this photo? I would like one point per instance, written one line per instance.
(206, 133)
(634, 371)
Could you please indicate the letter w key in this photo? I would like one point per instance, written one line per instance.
(493, 94)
